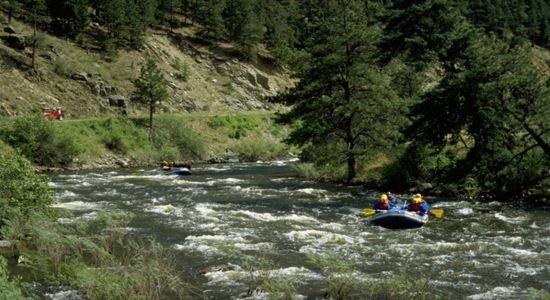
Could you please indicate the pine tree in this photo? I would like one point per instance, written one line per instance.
(38, 11)
(112, 14)
(496, 99)
(280, 37)
(150, 90)
(422, 31)
(343, 100)
(209, 13)
(70, 17)
(12, 7)
(166, 10)
(243, 20)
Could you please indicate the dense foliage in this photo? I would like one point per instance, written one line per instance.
(282, 25)
(39, 141)
(479, 124)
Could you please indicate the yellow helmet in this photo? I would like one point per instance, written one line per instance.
(417, 198)
(383, 197)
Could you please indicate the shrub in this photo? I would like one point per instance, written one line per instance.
(120, 135)
(172, 133)
(254, 150)
(238, 125)
(38, 140)
(182, 69)
(9, 290)
(62, 67)
(22, 190)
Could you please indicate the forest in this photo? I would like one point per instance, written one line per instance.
(454, 93)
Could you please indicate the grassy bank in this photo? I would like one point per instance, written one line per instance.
(197, 137)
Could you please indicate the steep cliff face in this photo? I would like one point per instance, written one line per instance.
(201, 77)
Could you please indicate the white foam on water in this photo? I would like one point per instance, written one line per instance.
(216, 238)
(201, 248)
(254, 247)
(534, 226)
(268, 217)
(318, 237)
(213, 227)
(85, 217)
(311, 191)
(206, 244)
(66, 194)
(499, 292)
(515, 268)
(187, 182)
(296, 272)
(520, 252)
(112, 192)
(216, 169)
(510, 220)
(207, 212)
(52, 184)
(168, 209)
(155, 200)
(247, 190)
(334, 227)
(450, 204)
(77, 205)
(465, 211)
(236, 275)
(64, 295)
(224, 180)
(284, 179)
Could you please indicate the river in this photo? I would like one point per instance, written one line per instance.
(477, 250)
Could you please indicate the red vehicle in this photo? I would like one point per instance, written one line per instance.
(54, 113)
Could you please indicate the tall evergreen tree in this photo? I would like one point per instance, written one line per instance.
(343, 99)
(166, 10)
(37, 10)
(243, 20)
(422, 31)
(12, 6)
(209, 13)
(280, 36)
(150, 90)
(70, 17)
(496, 101)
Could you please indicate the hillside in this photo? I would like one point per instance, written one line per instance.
(201, 77)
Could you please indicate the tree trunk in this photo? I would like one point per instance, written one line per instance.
(538, 139)
(33, 57)
(351, 166)
(151, 111)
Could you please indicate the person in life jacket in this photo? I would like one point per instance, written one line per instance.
(418, 205)
(384, 202)
(165, 165)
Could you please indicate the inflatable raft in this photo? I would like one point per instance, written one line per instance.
(177, 170)
(399, 219)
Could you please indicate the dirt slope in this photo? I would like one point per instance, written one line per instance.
(201, 77)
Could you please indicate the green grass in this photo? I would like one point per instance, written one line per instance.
(252, 136)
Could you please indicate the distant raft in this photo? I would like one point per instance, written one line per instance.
(399, 219)
(183, 168)
(178, 171)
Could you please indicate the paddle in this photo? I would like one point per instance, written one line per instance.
(438, 213)
(368, 211)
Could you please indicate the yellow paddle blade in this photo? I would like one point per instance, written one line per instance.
(367, 212)
(438, 213)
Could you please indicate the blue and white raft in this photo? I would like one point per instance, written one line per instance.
(399, 219)
(177, 170)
